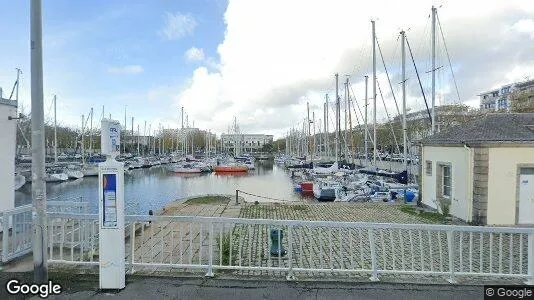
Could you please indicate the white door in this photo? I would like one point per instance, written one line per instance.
(526, 196)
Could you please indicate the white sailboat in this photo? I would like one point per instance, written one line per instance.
(20, 181)
(74, 174)
(55, 175)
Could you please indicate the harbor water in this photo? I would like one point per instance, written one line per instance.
(153, 188)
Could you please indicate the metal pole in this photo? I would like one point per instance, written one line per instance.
(403, 55)
(40, 237)
(308, 133)
(314, 140)
(132, 135)
(124, 144)
(18, 84)
(345, 104)
(83, 141)
(55, 131)
(144, 139)
(337, 119)
(91, 134)
(374, 96)
(433, 69)
(327, 129)
(324, 130)
(138, 139)
(365, 117)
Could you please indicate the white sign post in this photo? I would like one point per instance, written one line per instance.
(111, 209)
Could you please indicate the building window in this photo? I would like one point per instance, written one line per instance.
(446, 184)
(495, 94)
(428, 167)
(485, 97)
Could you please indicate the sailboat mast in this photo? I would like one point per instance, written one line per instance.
(403, 55)
(124, 144)
(308, 133)
(346, 97)
(327, 129)
(55, 129)
(314, 141)
(138, 139)
(83, 141)
(144, 139)
(374, 96)
(365, 119)
(324, 130)
(433, 69)
(91, 133)
(346, 119)
(337, 119)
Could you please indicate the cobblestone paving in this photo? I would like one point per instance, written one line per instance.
(342, 253)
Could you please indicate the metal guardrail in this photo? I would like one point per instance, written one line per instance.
(336, 248)
(16, 226)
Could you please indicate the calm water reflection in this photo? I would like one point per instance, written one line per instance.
(152, 188)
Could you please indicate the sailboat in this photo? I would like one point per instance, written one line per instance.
(20, 181)
(55, 175)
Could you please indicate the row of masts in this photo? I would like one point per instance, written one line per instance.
(297, 142)
(183, 141)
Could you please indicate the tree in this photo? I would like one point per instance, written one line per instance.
(267, 147)
(522, 101)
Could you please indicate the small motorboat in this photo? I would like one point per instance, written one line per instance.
(184, 169)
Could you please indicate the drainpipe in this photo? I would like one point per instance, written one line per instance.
(470, 182)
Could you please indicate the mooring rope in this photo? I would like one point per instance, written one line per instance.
(264, 197)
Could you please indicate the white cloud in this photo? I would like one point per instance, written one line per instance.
(525, 26)
(274, 66)
(178, 25)
(194, 54)
(131, 69)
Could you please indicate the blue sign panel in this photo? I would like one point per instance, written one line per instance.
(109, 211)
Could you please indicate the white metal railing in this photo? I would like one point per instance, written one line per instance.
(243, 245)
(16, 226)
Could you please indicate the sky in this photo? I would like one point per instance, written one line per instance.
(259, 61)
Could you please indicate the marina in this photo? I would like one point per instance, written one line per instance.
(296, 172)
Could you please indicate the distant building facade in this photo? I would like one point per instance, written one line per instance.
(239, 143)
(501, 98)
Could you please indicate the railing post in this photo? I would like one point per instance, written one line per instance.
(450, 240)
(210, 264)
(290, 275)
(5, 235)
(236, 197)
(132, 243)
(374, 267)
(530, 260)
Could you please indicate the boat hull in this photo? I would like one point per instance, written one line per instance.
(228, 169)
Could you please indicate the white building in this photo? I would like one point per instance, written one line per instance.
(244, 143)
(8, 108)
(500, 98)
(482, 170)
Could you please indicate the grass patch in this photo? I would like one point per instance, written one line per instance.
(298, 207)
(409, 210)
(430, 216)
(224, 246)
(207, 200)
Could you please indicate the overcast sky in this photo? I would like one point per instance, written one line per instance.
(259, 61)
